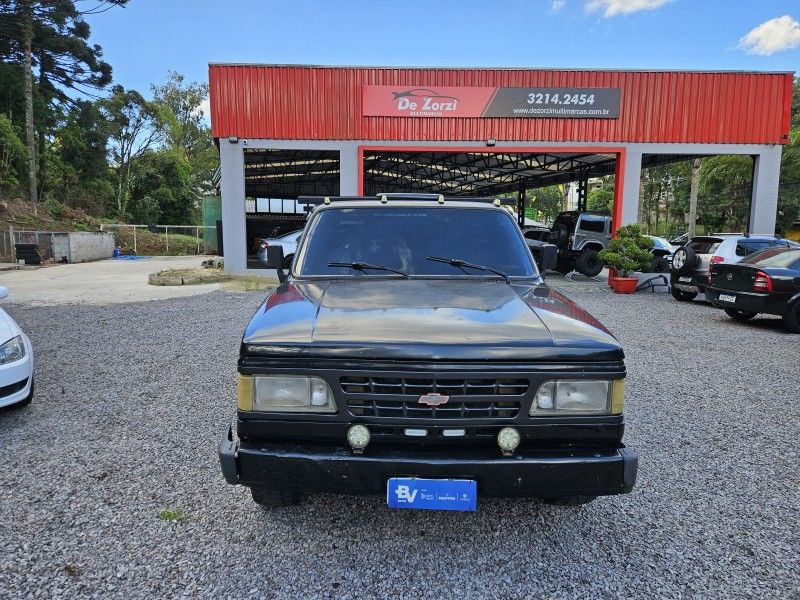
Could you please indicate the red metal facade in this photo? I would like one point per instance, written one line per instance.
(324, 103)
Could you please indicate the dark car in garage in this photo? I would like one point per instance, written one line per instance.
(766, 282)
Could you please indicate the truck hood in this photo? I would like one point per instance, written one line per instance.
(427, 319)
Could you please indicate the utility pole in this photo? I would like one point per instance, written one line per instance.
(693, 196)
(30, 140)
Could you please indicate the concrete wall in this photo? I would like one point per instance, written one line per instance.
(762, 209)
(82, 246)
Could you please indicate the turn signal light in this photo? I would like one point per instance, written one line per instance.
(762, 282)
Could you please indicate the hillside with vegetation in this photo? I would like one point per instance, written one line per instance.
(76, 149)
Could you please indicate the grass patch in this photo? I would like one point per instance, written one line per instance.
(228, 282)
(155, 244)
(174, 515)
(249, 283)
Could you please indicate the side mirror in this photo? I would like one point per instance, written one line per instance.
(274, 260)
(3, 292)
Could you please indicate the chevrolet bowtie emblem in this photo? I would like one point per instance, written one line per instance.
(433, 399)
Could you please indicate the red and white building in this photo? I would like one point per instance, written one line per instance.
(288, 131)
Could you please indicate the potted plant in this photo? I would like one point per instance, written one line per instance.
(628, 252)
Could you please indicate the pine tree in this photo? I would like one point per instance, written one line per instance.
(51, 37)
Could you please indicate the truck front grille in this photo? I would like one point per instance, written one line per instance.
(398, 397)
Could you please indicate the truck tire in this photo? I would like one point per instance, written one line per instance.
(739, 315)
(682, 296)
(568, 500)
(660, 265)
(588, 263)
(275, 498)
(791, 320)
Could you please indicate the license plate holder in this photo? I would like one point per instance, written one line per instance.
(727, 298)
(432, 494)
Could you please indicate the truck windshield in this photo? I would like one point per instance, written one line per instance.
(403, 237)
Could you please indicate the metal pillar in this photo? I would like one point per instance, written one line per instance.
(583, 189)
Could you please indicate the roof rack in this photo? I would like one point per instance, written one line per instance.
(385, 198)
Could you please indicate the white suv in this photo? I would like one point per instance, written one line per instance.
(691, 262)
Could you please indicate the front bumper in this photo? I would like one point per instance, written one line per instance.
(529, 473)
(16, 378)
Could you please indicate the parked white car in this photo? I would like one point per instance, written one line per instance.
(16, 361)
(289, 243)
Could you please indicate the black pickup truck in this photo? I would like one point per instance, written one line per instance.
(414, 350)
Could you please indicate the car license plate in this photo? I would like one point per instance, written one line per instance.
(727, 297)
(684, 280)
(432, 494)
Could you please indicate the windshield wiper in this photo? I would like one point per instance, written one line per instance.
(363, 267)
(457, 262)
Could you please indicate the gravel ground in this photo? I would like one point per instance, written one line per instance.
(131, 400)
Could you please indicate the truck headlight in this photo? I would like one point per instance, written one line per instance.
(286, 393)
(12, 350)
(578, 397)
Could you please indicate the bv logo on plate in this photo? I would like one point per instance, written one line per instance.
(432, 494)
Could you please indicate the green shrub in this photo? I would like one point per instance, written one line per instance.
(54, 207)
(629, 251)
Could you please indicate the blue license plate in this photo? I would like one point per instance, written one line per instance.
(432, 494)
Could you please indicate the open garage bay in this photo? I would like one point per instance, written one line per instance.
(110, 484)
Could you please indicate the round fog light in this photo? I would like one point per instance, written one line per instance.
(358, 437)
(508, 439)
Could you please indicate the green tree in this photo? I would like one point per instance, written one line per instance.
(546, 201)
(601, 199)
(789, 189)
(725, 191)
(180, 116)
(13, 154)
(161, 189)
(78, 159)
(51, 38)
(132, 128)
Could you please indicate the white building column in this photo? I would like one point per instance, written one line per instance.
(632, 176)
(348, 170)
(234, 231)
(764, 202)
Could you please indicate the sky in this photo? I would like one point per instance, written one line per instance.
(149, 37)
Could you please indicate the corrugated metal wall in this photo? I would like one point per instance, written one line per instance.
(324, 103)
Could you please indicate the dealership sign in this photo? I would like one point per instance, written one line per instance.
(543, 102)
